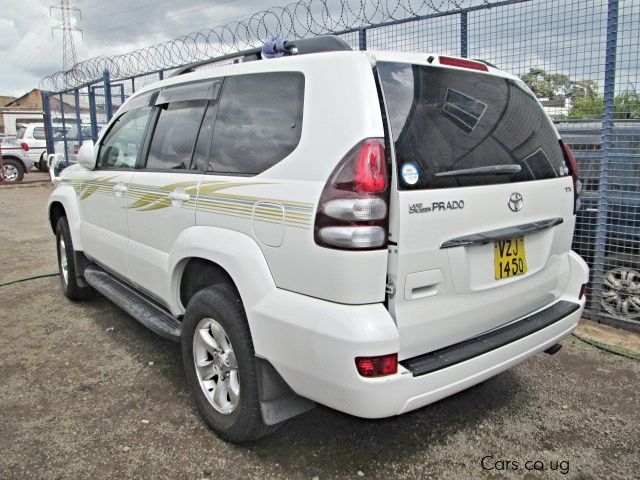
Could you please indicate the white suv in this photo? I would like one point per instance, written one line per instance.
(33, 135)
(372, 231)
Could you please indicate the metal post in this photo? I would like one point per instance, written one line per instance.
(1, 166)
(64, 128)
(607, 131)
(362, 39)
(48, 128)
(161, 74)
(133, 85)
(463, 34)
(92, 114)
(108, 108)
(76, 97)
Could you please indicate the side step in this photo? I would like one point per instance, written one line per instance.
(139, 306)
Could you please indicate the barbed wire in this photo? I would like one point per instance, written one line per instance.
(300, 19)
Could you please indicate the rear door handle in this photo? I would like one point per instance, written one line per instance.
(179, 197)
(119, 189)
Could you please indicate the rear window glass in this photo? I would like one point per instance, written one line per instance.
(453, 128)
(175, 135)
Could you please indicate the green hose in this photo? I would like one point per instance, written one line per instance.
(35, 277)
(607, 348)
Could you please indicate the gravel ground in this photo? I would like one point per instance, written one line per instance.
(86, 392)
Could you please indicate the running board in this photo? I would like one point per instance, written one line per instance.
(139, 306)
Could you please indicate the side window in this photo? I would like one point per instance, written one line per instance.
(259, 122)
(120, 146)
(38, 133)
(174, 136)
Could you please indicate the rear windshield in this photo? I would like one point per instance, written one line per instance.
(454, 128)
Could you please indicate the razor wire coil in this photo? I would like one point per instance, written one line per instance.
(301, 19)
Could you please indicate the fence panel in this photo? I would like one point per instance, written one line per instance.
(580, 57)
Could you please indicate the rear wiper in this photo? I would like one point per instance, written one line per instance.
(488, 170)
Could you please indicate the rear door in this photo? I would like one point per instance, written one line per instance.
(163, 191)
(482, 209)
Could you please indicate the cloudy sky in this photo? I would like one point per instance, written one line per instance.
(562, 36)
(29, 50)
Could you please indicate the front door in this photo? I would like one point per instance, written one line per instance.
(104, 191)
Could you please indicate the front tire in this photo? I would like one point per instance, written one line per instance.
(219, 363)
(66, 263)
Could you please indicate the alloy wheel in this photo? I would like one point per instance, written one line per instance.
(216, 366)
(621, 293)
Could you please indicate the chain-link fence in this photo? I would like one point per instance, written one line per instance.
(580, 57)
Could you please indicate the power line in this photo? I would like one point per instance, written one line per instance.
(95, 32)
(69, 58)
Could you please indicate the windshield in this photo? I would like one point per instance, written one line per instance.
(454, 128)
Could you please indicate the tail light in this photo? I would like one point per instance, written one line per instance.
(462, 63)
(354, 204)
(377, 366)
(572, 165)
(24, 146)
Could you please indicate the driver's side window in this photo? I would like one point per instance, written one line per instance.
(121, 145)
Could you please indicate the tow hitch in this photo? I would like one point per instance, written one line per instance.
(553, 349)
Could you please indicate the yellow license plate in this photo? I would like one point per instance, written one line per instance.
(509, 257)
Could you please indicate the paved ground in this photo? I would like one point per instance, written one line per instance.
(86, 392)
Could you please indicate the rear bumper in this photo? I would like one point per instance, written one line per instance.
(320, 363)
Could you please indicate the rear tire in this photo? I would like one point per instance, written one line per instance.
(42, 163)
(13, 170)
(216, 336)
(66, 263)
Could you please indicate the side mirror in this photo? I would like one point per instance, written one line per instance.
(87, 155)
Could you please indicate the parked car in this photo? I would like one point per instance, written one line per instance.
(371, 231)
(15, 161)
(33, 135)
(68, 137)
(621, 281)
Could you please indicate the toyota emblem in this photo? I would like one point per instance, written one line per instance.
(515, 202)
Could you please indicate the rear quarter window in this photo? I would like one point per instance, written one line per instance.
(259, 122)
(445, 120)
(38, 133)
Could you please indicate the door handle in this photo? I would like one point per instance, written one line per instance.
(179, 197)
(119, 189)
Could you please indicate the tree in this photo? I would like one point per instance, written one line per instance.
(625, 105)
(556, 86)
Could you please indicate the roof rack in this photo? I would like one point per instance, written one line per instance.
(326, 43)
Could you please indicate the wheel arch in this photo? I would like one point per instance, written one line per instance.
(223, 255)
(17, 159)
(63, 202)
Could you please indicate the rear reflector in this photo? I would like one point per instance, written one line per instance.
(377, 366)
(462, 63)
(24, 146)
